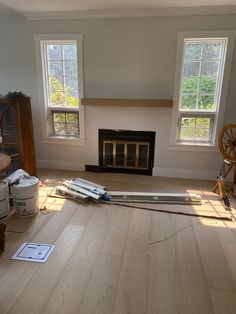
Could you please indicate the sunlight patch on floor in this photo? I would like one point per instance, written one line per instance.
(49, 203)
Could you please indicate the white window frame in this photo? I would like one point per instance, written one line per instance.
(219, 115)
(42, 84)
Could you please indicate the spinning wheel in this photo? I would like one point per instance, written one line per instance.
(227, 147)
(227, 142)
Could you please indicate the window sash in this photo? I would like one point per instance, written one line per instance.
(219, 76)
(64, 123)
(48, 76)
(196, 115)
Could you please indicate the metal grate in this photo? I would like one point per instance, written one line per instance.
(126, 154)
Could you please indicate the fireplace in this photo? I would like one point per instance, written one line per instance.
(125, 151)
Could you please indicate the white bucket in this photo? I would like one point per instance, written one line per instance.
(25, 196)
(4, 199)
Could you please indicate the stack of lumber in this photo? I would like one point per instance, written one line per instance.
(81, 190)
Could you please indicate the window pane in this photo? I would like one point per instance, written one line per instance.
(193, 51)
(70, 100)
(209, 68)
(55, 68)
(71, 84)
(190, 86)
(70, 68)
(60, 128)
(212, 51)
(207, 102)
(191, 69)
(203, 122)
(69, 52)
(59, 117)
(202, 134)
(188, 122)
(72, 117)
(56, 83)
(57, 99)
(54, 52)
(72, 129)
(188, 102)
(195, 128)
(207, 85)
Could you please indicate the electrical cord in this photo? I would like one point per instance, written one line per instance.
(170, 211)
(169, 236)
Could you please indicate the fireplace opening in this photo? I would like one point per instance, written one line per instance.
(126, 151)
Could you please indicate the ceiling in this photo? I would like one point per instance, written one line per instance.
(103, 8)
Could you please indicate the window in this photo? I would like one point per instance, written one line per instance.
(198, 101)
(61, 83)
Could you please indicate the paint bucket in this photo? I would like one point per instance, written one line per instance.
(25, 196)
(4, 200)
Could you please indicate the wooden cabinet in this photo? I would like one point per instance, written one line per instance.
(16, 133)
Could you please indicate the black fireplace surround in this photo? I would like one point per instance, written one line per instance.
(125, 151)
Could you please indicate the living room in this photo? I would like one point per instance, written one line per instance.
(129, 69)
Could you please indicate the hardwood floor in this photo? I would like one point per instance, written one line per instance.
(112, 259)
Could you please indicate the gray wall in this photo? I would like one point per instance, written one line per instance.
(123, 58)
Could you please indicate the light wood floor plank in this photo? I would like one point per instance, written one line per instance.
(230, 254)
(100, 293)
(140, 224)
(224, 302)
(117, 234)
(162, 291)
(217, 273)
(31, 227)
(131, 296)
(226, 231)
(193, 292)
(18, 274)
(70, 289)
(82, 214)
(35, 294)
(53, 228)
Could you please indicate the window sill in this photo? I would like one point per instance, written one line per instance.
(62, 140)
(194, 147)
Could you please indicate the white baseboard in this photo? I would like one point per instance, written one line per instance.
(62, 165)
(157, 171)
(185, 173)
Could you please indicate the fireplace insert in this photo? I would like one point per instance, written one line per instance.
(126, 151)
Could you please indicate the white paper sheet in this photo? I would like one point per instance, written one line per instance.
(33, 252)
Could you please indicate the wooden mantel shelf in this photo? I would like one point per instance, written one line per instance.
(127, 102)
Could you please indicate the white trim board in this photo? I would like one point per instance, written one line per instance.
(157, 171)
(189, 174)
(134, 12)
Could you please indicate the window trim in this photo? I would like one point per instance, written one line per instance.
(219, 116)
(45, 117)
